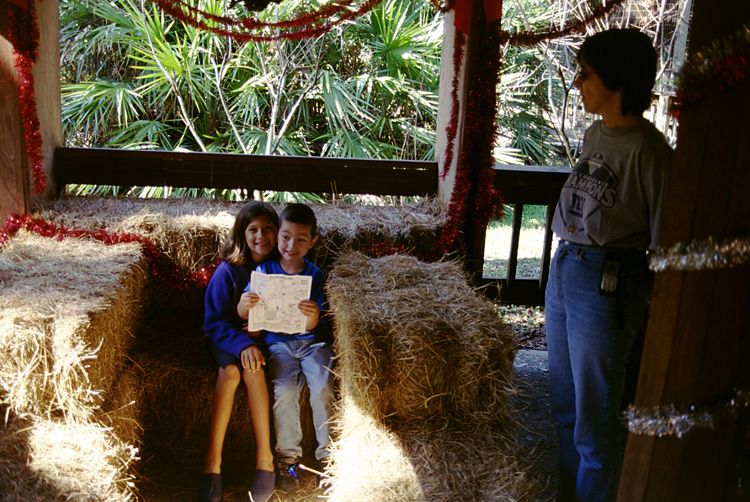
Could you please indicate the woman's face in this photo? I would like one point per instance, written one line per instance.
(260, 235)
(596, 97)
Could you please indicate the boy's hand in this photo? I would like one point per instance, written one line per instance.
(309, 308)
(252, 359)
(247, 301)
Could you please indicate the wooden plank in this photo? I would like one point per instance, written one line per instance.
(15, 191)
(548, 238)
(515, 240)
(220, 170)
(536, 185)
(47, 85)
(524, 292)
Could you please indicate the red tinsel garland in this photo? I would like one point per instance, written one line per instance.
(527, 38)
(714, 69)
(459, 40)
(302, 26)
(23, 34)
(157, 261)
(474, 197)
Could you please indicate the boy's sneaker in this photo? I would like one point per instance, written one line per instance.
(287, 477)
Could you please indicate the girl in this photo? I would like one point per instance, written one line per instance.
(252, 240)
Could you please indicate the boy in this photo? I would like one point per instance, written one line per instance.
(298, 358)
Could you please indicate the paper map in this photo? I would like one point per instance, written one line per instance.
(277, 309)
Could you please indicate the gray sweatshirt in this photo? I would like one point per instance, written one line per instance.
(615, 194)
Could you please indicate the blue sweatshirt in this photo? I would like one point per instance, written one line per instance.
(322, 332)
(221, 322)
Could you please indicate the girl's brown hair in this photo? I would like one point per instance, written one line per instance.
(235, 249)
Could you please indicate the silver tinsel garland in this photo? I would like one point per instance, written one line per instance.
(667, 420)
(707, 254)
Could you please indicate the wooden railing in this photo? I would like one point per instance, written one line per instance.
(99, 166)
(519, 185)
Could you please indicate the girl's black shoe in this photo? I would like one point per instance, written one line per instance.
(211, 488)
(261, 486)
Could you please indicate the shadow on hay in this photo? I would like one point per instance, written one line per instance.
(15, 453)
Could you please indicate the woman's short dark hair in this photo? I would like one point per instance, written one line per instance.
(624, 59)
(235, 249)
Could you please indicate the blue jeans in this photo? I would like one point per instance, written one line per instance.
(589, 337)
(291, 365)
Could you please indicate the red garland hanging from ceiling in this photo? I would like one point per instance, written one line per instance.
(528, 38)
(303, 26)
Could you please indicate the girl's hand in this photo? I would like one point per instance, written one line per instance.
(252, 359)
(247, 301)
(309, 308)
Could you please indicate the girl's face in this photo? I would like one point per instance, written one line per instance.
(260, 236)
(596, 97)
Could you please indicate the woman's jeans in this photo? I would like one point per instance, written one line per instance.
(589, 336)
(292, 364)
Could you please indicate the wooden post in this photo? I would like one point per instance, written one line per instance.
(698, 337)
(15, 178)
(15, 193)
(445, 100)
(47, 81)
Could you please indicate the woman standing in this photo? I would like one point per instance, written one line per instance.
(607, 218)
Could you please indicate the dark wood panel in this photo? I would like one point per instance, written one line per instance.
(220, 170)
(530, 184)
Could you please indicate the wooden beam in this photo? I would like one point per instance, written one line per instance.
(47, 85)
(252, 172)
(15, 194)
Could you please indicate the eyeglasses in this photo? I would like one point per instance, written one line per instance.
(583, 75)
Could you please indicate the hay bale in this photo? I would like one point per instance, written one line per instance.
(424, 365)
(68, 312)
(190, 231)
(415, 342)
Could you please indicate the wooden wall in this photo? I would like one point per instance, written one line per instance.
(698, 337)
(15, 178)
(15, 195)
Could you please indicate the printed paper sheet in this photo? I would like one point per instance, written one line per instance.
(279, 297)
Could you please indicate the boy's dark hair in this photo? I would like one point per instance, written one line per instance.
(624, 59)
(235, 249)
(302, 215)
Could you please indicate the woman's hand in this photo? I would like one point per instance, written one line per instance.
(252, 359)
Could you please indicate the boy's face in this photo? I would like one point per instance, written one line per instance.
(295, 240)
